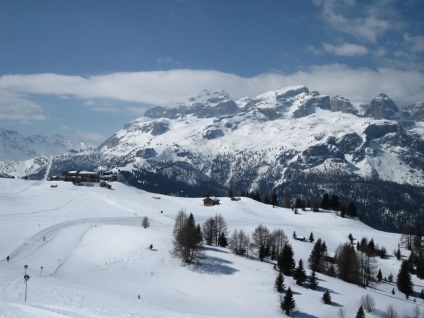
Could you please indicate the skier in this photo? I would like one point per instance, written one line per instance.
(7, 258)
(151, 246)
(44, 238)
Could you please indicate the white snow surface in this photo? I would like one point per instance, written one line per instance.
(96, 258)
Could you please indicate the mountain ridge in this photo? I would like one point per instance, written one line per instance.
(271, 143)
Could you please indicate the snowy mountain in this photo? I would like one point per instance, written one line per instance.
(15, 147)
(287, 141)
(88, 256)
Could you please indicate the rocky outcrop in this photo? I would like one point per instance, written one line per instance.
(340, 104)
(382, 107)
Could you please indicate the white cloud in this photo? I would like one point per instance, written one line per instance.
(17, 108)
(361, 85)
(414, 43)
(346, 49)
(366, 20)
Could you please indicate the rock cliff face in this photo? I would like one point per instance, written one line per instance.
(341, 104)
(382, 107)
(289, 140)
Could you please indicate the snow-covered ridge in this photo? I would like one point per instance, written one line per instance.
(14, 146)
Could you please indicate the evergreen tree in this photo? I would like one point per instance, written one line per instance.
(326, 297)
(420, 265)
(404, 281)
(335, 203)
(288, 303)
(222, 241)
(261, 253)
(187, 240)
(274, 200)
(311, 237)
(360, 313)
(279, 283)
(317, 258)
(351, 210)
(347, 263)
(379, 275)
(422, 293)
(313, 281)
(300, 274)
(285, 260)
(325, 203)
(397, 254)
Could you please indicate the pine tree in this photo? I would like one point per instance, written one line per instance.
(285, 260)
(351, 210)
(288, 303)
(279, 283)
(311, 237)
(335, 203)
(360, 313)
(187, 240)
(326, 298)
(317, 258)
(379, 275)
(300, 274)
(397, 254)
(313, 281)
(274, 200)
(404, 281)
(325, 203)
(222, 241)
(422, 293)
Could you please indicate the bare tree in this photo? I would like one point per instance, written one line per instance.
(416, 311)
(239, 242)
(145, 222)
(260, 239)
(220, 227)
(341, 313)
(391, 312)
(209, 231)
(368, 303)
(179, 220)
(278, 239)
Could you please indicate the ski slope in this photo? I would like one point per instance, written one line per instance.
(96, 258)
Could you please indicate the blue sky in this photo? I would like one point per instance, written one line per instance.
(85, 68)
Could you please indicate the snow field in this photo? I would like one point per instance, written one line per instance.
(96, 258)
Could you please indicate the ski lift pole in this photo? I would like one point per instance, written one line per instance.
(26, 277)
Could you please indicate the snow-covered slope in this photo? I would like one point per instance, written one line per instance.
(15, 147)
(95, 259)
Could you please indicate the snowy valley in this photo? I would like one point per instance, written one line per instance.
(95, 260)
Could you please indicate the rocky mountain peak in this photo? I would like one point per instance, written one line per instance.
(341, 104)
(382, 107)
